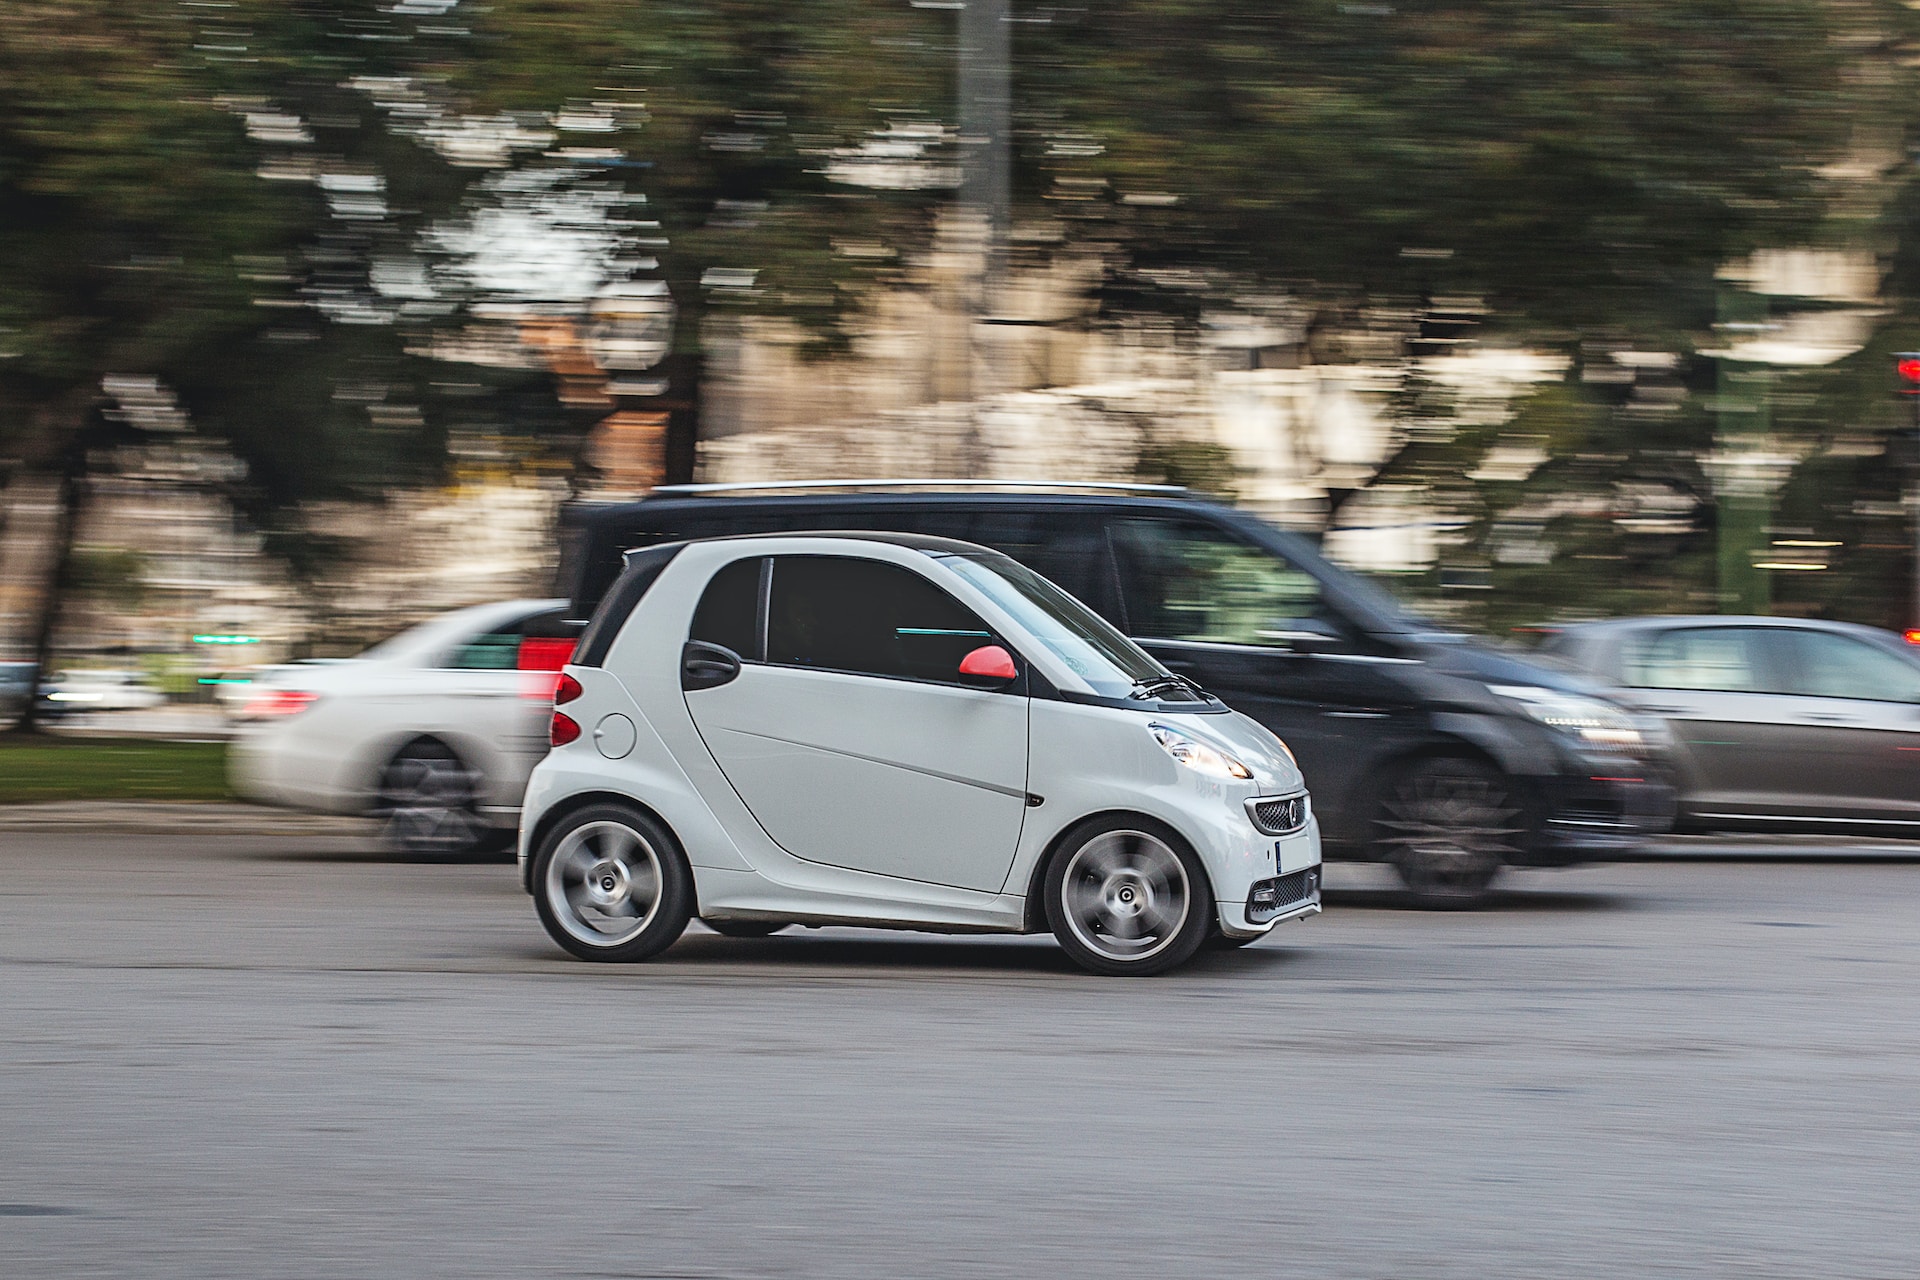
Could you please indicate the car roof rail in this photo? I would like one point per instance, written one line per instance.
(1044, 486)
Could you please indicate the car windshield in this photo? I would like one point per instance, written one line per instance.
(1109, 664)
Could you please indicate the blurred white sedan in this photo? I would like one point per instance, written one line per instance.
(433, 731)
(72, 692)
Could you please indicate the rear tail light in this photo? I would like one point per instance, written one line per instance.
(1913, 636)
(566, 690)
(563, 730)
(540, 659)
(270, 704)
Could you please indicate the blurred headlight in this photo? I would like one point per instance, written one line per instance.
(1588, 720)
(1198, 755)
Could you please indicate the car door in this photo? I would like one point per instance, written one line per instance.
(846, 733)
(1851, 721)
(1724, 697)
(1255, 631)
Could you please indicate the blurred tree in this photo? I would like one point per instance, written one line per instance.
(1580, 167)
(137, 239)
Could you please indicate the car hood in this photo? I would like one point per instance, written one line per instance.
(1465, 658)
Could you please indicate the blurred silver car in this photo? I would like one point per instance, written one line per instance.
(1777, 723)
(433, 732)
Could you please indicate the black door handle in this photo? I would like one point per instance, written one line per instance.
(706, 666)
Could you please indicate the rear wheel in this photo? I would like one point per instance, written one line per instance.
(745, 928)
(427, 803)
(1126, 896)
(610, 883)
(1448, 827)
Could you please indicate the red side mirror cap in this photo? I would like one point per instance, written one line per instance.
(989, 662)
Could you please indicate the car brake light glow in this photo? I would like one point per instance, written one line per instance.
(268, 704)
(1913, 637)
(539, 661)
(563, 730)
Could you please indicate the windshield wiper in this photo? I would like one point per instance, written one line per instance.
(1149, 686)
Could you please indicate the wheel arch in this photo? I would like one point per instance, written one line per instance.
(1034, 907)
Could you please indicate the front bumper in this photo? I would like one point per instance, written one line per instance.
(1585, 818)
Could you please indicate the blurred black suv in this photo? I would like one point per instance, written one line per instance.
(1424, 749)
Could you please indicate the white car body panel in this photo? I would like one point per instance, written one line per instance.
(837, 765)
(329, 757)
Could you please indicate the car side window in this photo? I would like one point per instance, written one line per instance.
(498, 649)
(729, 610)
(1821, 664)
(1705, 659)
(1067, 548)
(1186, 580)
(838, 613)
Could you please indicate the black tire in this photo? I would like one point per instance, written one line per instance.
(1113, 876)
(428, 801)
(1448, 827)
(604, 864)
(746, 928)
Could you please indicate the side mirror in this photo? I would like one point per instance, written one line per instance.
(989, 665)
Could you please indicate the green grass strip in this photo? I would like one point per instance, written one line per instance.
(41, 769)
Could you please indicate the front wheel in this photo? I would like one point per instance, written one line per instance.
(610, 883)
(1127, 897)
(1448, 827)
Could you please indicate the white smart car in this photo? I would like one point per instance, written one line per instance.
(905, 732)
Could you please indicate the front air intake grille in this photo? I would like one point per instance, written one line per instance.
(1268, 898)
(1279, 817)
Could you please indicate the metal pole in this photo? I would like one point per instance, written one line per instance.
(986, 126)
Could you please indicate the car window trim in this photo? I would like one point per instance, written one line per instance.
(644, 565)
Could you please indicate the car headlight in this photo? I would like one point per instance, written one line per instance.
(1587, 720)
(1197, 755)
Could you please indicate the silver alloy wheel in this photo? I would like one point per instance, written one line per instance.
(1125, 895)
(1449, 833)
(603, 883)
(428, 802)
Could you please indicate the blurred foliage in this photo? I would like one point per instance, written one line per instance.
(1201, 466)
(111, 573)
(1578, 166)
(255, 203)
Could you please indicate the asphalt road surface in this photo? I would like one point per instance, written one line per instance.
(247, 1056)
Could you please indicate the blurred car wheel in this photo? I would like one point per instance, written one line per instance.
(1125, 896)
(1447, 827)
(610, 883)
(745, 928)
(427, 803)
